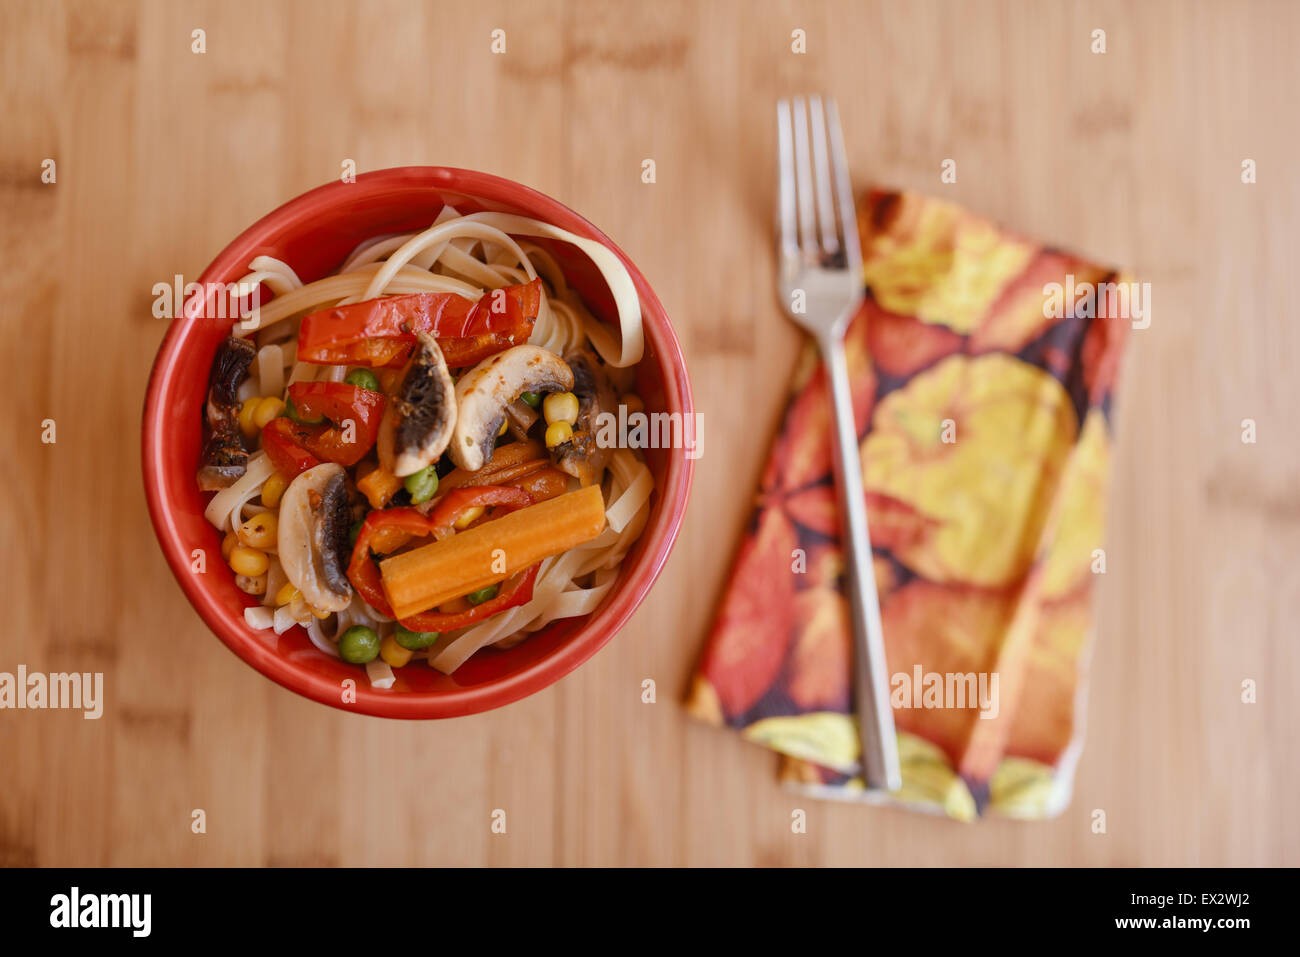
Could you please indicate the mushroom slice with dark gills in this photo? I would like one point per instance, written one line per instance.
(520, 417)
(224, 455)
(418, 422)
(313, 537)
(581, 456)
(483, 393)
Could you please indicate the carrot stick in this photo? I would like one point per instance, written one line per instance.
(417, 580)
(541, 484)
(504, 457)
(379, 486)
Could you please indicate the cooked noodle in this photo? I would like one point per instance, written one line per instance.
(466, 255)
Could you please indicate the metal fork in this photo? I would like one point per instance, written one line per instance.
(820, 269)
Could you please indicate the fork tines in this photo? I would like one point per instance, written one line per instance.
(815, 200)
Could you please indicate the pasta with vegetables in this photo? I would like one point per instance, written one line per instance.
(404, 454)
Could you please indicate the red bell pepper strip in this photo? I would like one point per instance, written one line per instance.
(458, 501)
(366, 579)
(295, 447)
(516, 591)
(362, 570)
(335, 400)
(380, 332)
(282, 440)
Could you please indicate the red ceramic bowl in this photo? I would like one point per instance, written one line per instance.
(314, 233)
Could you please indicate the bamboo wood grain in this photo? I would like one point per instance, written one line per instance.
(163, 155)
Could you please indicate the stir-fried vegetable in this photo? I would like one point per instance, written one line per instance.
(561, 407)
(302, 418)
(379, 486)
(248, 561)
(353, 416)
(482, 595)
(486, 392)
(313, 534)
(414, 640)
(457, 504)
(514, 592)
(541, 484)
(421, 413)
(422, 485)
(359, 644)
(381, 332)
(280, 440)
(394, 654)
(486, 554)
(225, 457)
(387, 529)
(507, 462)
(363, 379)
(273, 489)
(362, 570)
(557, 433)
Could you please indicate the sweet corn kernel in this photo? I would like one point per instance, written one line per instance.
(560, 407)
(505, 424)
(258, 531)
(227, 543)
(273, 490)
(322, 615)
(558, 433)
(246, 423)
(632, 402)
(471, 515)
(268, 408)
(393, 653)
(299, 610)
(248, 561)
(286, 594)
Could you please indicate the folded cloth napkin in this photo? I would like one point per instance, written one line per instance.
(983, 397)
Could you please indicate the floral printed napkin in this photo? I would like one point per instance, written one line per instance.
(983, 398)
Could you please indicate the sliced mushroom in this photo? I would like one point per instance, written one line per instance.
(313, 537)
(225, 457)
(520, 417)
(483, 393)
(421, 414)
(581, 456)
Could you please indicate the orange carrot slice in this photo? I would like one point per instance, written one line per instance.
(506, 461)
(422, 578)
(379, 486)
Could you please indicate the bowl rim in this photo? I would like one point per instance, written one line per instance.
(595, 630)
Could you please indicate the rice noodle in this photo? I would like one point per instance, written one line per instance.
(226, 508)
(275, 580)
(270, 370)
(278, 276)
(380, 674)
(259, 617)
(283, 620)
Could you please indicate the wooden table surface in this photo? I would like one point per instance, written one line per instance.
(1133, 156)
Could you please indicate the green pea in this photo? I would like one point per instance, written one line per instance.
(423, 485)
(482, 595)
(292, 411)
(532, 398)
(363, 379)
(414, 640)
(359, 644)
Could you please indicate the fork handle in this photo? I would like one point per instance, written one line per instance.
(871, 687)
